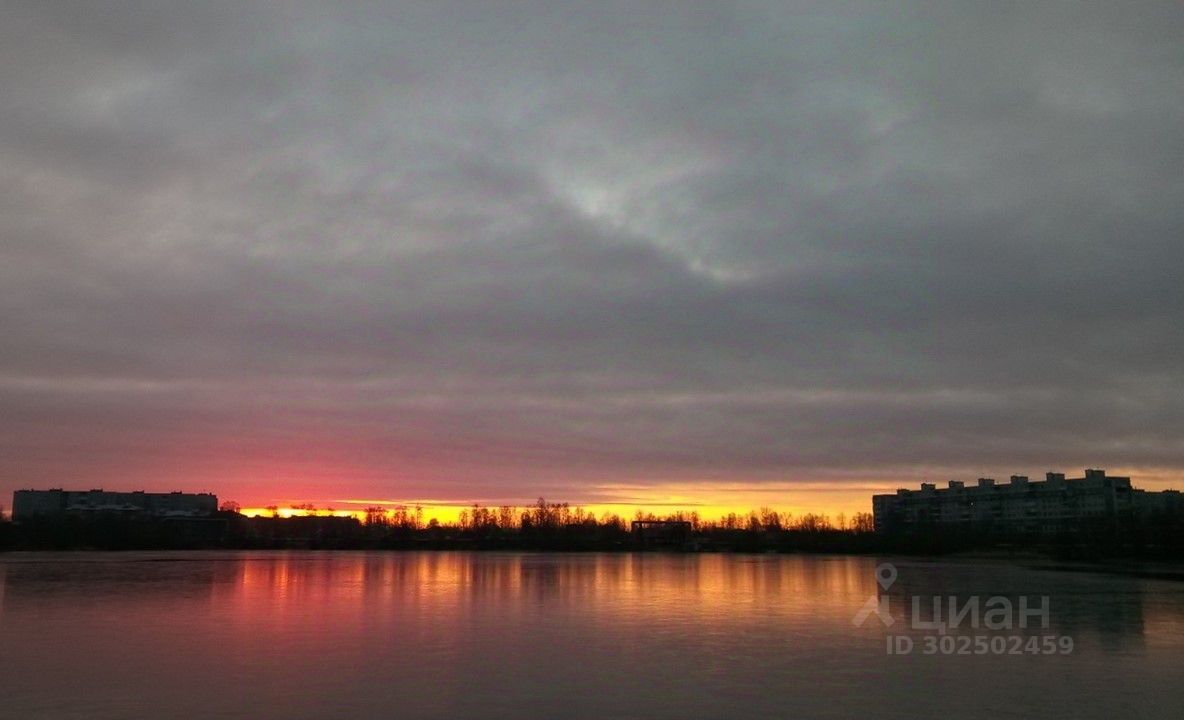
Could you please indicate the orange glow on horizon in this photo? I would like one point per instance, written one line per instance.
(450, 512)
(710, 500)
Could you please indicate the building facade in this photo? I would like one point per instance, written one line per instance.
(51, 503)
(1019, 505)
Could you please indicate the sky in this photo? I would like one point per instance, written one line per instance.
(705, 255)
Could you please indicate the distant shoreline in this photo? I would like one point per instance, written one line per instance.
(1142, 568)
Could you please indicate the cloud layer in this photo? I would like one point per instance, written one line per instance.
(491, 250)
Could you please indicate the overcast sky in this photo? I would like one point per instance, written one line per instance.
(491, 250)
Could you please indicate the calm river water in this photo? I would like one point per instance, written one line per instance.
(457, 635)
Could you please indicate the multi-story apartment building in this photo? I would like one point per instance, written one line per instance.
(48, 503)
(1020, 505)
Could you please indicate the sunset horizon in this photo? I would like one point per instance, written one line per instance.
(626, 501)
(531, 359)
(362, 253)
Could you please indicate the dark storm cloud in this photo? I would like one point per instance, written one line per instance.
(497, 249)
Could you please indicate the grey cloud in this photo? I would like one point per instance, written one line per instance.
(495, 249)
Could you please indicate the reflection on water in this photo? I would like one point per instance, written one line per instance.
(304, 635)
(1091, 608)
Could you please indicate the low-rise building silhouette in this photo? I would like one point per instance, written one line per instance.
(1020, 506)
(57, 502)
(661, 533)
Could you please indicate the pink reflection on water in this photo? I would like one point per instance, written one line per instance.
(304, 635)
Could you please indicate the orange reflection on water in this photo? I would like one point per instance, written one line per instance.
(451, 634)
(272, 593)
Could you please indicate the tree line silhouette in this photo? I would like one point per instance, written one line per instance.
(542, 526)
(560, 526)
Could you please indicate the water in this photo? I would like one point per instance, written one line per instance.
(457, 635)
